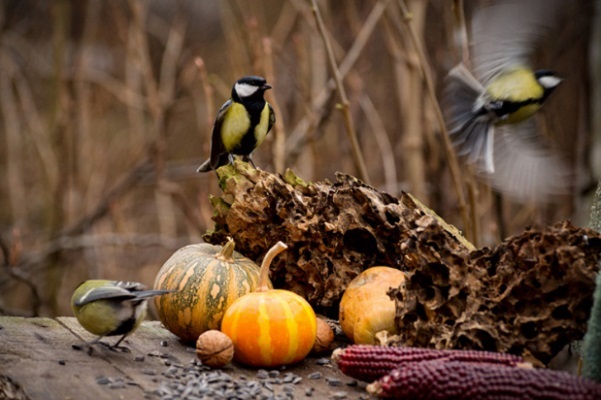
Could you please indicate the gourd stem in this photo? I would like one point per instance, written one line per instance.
(227, 251)
(264, 274)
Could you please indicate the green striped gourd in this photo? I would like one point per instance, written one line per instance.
(207, 279)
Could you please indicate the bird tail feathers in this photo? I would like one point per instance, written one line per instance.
(472, 132)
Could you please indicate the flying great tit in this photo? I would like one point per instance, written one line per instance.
(111, 308)
(488, 115)
(474, 112)
(241, 125)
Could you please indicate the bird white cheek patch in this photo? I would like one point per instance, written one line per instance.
(549, 81)
(245, 90)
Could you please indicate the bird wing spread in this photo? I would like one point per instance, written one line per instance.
(526, 167)
(506, 32)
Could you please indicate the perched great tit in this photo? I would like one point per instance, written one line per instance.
(241, 125)
(488, 115)
(111, 308)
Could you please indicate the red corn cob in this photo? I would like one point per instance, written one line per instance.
(435, 380)
(368, 362)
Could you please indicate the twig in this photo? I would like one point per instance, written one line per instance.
(11, 253)
(383, 142)
(82, 91)
(412, 105)
(453, 164)
(344, 106)
(279, 132)
(238, 56)
(209, 92)
(297, 137)
(124, 185)
(462, 28)
(171, 56)
(36, 259)
(13, 141)
(284, 24)
(137, 32)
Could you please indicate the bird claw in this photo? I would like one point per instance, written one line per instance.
(89, 347)
(115, 347)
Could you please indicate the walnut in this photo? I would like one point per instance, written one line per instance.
(325, 337)
(214, 349)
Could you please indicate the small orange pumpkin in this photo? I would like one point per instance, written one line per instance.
(206, 279)
(273, 327)
(365, 308)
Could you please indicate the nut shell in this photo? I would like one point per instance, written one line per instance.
(215, 349)
(324, 338)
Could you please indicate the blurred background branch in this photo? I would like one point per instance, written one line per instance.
(106, 110)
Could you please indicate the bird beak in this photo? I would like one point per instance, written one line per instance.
(266, 86)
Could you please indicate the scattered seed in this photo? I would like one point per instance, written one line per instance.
(194, 381)
(164, 343)
(322, 361)
(62, 362)
(334, 381)
(315, 375)
(115, 386)
(103, 380)
(352, 383)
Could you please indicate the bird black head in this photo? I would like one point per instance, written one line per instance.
(249, 87)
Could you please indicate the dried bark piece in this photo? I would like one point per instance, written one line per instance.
(532, 294)
(334, 230)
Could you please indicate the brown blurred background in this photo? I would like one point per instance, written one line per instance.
(106, 109)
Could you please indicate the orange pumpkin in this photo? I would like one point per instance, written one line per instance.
(273, 327)
(365, 308)
(207, 280)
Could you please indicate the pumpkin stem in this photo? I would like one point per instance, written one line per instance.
(227, 251)
(264, 274)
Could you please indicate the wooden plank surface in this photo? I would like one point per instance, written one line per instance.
(37, 353)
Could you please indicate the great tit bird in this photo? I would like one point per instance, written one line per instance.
(488, 115)
(111, 308)
(474, 111)
(241, 125)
